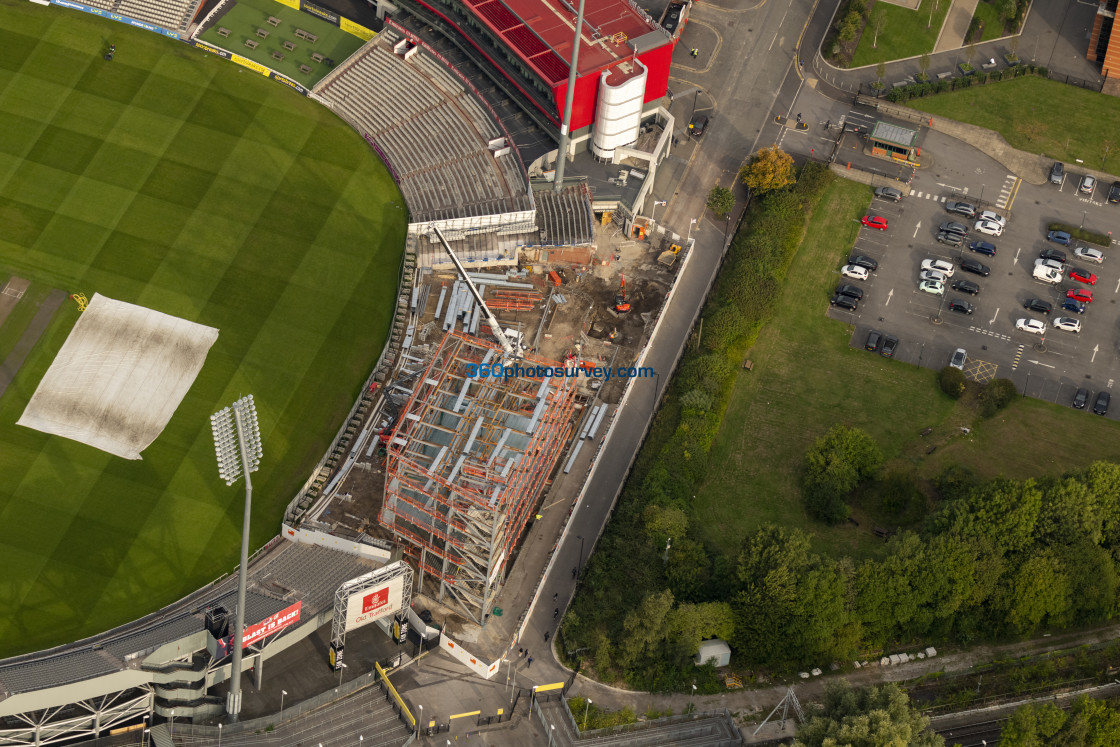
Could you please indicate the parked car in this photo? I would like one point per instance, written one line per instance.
(697, 125)
(1031, 325)
(874, 337)
(889, 193)
(854, 272)
(939, 265)
(1053, 264)
(961, 307)
(1067, 324)
(865, 262)
(1089, 254)
(1075, 306)
(932, 286)
(1080, 294)
(890, 344)
(993, 217)
(850, 290)
(1047, 274)
(971, 265)
(1114, 192)
(983, 247)
(952, 239)
(988, 227)
(1082, 276)
(1037, 304)
(960, 355)
(1059, 237)
(961, 208)
(1100, 407)
(1057, 172)
(1087, 185)
(1081, 399)
(874, 221)
(932, 275)
(844, 302)
(1055, 254)
(953, 227)
(966, 286)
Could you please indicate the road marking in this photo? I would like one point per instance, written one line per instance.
(993, 319)
(1117, 287)
(920, 225)
(1037, 363)
(889, 294)
(950, 186)
(1016, 261)
(1096, 348)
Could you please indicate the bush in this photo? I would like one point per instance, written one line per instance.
(997, 394)
(1089, 237)
(835, 465)
(975, 30)
(952, 381)
(850, 26)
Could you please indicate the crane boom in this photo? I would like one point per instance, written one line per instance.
(508, 349)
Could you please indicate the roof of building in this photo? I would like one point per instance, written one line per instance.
(541, 32)
(894, 134)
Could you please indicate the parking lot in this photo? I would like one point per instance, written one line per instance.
(1051, 366)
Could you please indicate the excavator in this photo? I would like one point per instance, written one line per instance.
(621, 302)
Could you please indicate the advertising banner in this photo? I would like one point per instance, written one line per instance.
(116, 17)
(255, 66)
(336, 657)
(311, 9)
(210, 48)
(356, 29)
(279, 78)
(364, 607)
(272, 624)
(290, 3)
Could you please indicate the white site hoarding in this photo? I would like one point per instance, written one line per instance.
(373, 603)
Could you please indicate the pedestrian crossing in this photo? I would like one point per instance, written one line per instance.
(928, 196)
(1007, 190)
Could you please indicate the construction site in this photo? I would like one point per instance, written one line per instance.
(475, 435)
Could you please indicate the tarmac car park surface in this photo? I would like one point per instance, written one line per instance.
(1051, 366)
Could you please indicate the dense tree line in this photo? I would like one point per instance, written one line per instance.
(865, 717)
(1087, 723)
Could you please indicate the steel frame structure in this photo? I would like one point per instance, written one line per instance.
(90, 717)
(469, 459)
(361, 583)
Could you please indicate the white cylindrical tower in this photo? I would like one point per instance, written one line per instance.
(618, 111)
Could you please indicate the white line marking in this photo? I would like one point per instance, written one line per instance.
(1095, 349)
(990, 323)
(889, 294)
(920, 225)
(1046, 365)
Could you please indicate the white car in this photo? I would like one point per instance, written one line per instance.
(932, 275)
(1047, 275)
(1068, 324)
(989, 227)
(993, 217)
(939, 265)
(1031, 325)
(958, 359)
(855, 272)
(932, 286)
(1088, 254)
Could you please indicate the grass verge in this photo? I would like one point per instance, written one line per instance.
(1039, 116)
(907, 33)
(989, 16)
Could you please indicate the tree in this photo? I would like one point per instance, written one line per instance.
(923, 65)
(645, 628)
(834, 466)
(932, 9)
(689, 624)
(1007, 10)
(688, 569)
(878, 23)
(769, 169)
(952, 381)
(996, 395)
(880, 74)
(1039, 593)
(1089, 722)
(721, 200)
(866, 717)
(1033, 726)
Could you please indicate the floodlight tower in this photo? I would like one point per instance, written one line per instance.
(237, 443)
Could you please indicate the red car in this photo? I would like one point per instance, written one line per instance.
(1080, 294)
(874, 221)
(1083, 277)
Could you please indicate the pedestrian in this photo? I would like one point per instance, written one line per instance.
(546, 635)
(556, 613)
(695, 52)
(520, 652)
(573, 569)
(555, 596)
(530, 662)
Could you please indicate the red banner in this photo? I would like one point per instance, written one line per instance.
(271, 624)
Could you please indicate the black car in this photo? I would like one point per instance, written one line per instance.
(889, 346)
(1100, 407)
(1055, 254)
(865, 262)
(961, 307)
(1037, 304)
(966, 286)
(953, 227)
(1070, 304)
(845, 302)
(961, 208)
(1114, 192)
(698, 124)
(874, 337)
(983, 247)
(952, 239)
(968, 264)
(850, 290)
(1081, 399)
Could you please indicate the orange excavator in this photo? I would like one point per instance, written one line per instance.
(621, 302)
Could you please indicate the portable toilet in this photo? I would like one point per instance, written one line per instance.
(715, 651)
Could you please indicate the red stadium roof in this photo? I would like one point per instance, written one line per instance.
(540, 32)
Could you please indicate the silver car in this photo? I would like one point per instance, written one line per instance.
(1089, 254)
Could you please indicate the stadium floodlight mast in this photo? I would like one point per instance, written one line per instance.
(237, 444)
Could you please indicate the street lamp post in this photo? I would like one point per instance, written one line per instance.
(237, 444)
(219, 735)
(172, 726)
(653, 213)
(551, 733)
(421, 719)
(282, 694)
(586, 709)
(690, 698)
(341, 669)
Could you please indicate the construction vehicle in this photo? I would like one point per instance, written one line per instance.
(667, 258)
(621, 302)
